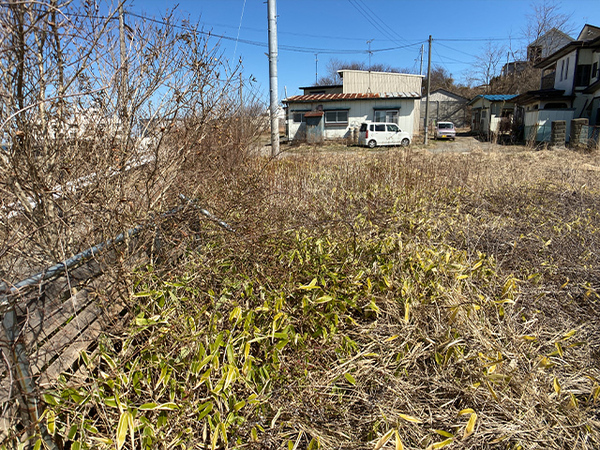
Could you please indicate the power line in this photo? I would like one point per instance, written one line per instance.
(479, 39)
(457, 50)
(290, 48)
(366, 13)
(238, 33)
(381, 21)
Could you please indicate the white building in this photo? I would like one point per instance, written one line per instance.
(336, 112)
(569, 88)
(492, 115)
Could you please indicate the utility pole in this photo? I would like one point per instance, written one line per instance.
(428, 91)
(422, 54)
(272, 15)
(124, 68)
(316, 69)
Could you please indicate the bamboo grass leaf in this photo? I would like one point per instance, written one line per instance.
(410, 418)
(386, 437)
(470, 428)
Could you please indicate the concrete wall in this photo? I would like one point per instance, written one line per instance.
(538, 123)
(358, 81)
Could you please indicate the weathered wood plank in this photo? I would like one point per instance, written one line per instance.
(70, 354)
(44, 321)
(56, 345)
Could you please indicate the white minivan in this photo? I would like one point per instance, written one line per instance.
(374, 134)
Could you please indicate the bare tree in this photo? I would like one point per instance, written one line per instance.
(67, 168)
(546, 15)
(441, 79)
(74, 170)
(487, 65)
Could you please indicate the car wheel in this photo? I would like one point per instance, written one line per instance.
(372, 144)
(405, 142)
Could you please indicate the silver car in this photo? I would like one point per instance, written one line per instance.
(445, 130)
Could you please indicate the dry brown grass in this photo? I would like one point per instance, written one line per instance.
(408, 292)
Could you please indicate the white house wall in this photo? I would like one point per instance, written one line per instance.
(566, 83)
(358, 112)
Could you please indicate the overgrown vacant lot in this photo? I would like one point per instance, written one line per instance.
(366, 300)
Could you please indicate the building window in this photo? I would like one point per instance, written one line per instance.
(299, 117)
(582, 75)
(336, 117)
(562, 70)
(595, 70)
(389, 116)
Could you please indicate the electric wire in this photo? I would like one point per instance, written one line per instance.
(381, 21)
(238, 33)
(366, 14)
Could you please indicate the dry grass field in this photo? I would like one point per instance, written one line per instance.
(387, 299)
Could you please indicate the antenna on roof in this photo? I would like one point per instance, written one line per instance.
(370, 52)
(369, 68)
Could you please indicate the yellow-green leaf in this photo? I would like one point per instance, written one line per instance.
(309, 286)
(323, 299)
(440, 444)
(386, 437)
(399, 445)
(569, 334)
(410, 418)
(350, 379)
(557, 387)
(50, 421)
(465, 411)
(545, 362)
(559, 349)
(122, 429)
(470, 428)
(239, 405)
(148, 406)
(529, 338)
(444, 433)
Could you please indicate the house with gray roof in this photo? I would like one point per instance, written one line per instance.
(446, 106)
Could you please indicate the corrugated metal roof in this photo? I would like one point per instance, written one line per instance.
(349, 96)
(499, 97)
(494, 98)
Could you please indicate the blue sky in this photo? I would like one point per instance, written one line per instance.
(341, 28)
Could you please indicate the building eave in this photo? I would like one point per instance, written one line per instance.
(318, 98)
